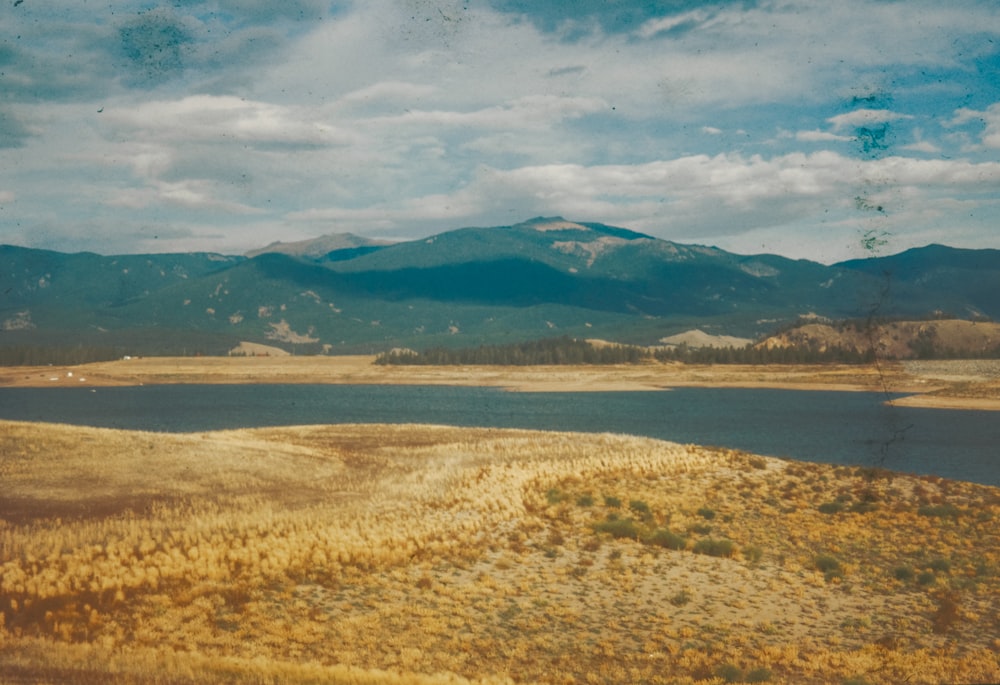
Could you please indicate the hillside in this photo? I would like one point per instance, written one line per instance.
(896, 339)
(541, 278)
(332, 247)
(429, 554)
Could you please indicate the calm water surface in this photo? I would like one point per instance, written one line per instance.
(831, 427)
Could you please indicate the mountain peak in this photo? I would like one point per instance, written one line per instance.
(551, 223)
(544, 224)
(318, 247)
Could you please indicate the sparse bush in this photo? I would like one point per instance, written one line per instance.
(706, 513)
(667, 539)
(829, 565)
(680, 598)
(831, 507)
(758, 675)
(639, 507)
(926, 578)
(947, 612)
(619, 528)
(940, 564)
(753, 554)
(939, 510)
(701, 529)
(903, 573)
(554, 496)
(730, 673)
(714, 548)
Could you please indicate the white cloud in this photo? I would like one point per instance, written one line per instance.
(389, 91)
(654, 27)
(817, 136)
(194, 194)
(694, 196)
(990, 119)
(534, 111)
(210, 118)
(922, 146)
(401, 117)
(865, 117)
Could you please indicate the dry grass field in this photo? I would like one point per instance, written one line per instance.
(424, 554)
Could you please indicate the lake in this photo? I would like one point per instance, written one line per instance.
(831, 427)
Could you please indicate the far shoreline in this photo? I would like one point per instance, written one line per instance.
(957, 387)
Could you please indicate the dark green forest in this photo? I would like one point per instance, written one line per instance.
(32, 355)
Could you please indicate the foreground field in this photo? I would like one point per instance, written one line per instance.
(422, 554)
(963, 384)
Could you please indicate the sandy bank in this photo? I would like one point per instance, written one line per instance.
(930, 389)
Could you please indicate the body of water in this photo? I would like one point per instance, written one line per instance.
(831, 427)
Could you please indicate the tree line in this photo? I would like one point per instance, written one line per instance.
(40, 355)
(563, 350)
(566, 350)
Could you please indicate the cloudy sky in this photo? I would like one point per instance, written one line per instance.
(824, 130)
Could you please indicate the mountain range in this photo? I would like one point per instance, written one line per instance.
(540, 278)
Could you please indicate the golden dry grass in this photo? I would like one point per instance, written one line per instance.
(428, 554)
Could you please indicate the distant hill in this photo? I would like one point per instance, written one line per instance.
(697, 339)
(332, 247)
(537, 279)
(896, 339)
(960, 282)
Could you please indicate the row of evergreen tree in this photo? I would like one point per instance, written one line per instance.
(566, 350)
(36, 355)
(751, 354)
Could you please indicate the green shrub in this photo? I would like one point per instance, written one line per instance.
(903, 573)
(639, 507)
(701, 529)
(829, 565)
(619, 528)
(926, 578)
(758, 675)
(554, 496)
(753, 554)
(585, 501)
(612, 502)
(939, 510)
(706, 513)
(730, 673)
(831, 507)
(940, 564)
(681, 598)
(668, 539)
(714, 548)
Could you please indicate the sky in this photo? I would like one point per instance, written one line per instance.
(817, 130)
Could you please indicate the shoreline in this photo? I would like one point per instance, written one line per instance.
(920, 389)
